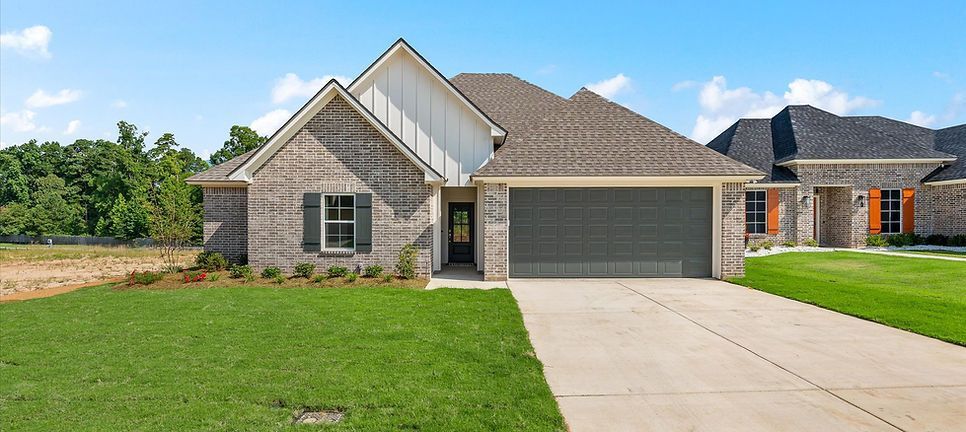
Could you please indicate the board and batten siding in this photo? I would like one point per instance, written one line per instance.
(427, 117)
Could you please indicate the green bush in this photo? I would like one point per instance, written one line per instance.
(957, 240)
(372, 271)
(214, 277)
(810, 242)
(406, 267)
(304, 270)
(351, 277)
(789, 243)
(904, 239)
(271, 272)
(211, 261)
(387, 278)
(319, 278)
(337, 271)
(876, 240)
(279, 279)
(241, 271)
(937, 240)
(754, 247)
(768, 244)
(144, 278)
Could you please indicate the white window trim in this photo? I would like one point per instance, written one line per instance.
(882, 200)
(763, 212)
(325, 220)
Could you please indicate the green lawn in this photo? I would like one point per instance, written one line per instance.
(936, 252)
(921, 295)
(247, 358)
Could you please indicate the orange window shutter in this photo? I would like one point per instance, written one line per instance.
(772, 201)
(875, 209)
(908, 210)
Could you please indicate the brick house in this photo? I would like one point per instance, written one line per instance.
(840, 179)
(482, 170)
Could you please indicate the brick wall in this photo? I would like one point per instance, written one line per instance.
(787, 223)
(338, 151)
(495, 228)
(226, 222)
(946, 205)
(732, 230)
(836, 207)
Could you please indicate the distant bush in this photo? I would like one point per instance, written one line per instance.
(337, 271)
(957, 240)
(144, 278)
(406, 267)
(241, 271)
(351, 277)
(271, 272)
(372, 271)
(214, 277)
(810, 242)
(319, 278)
(904, 239)
(937, 240)
(789, 243)
(211, 261)
(387, 278)
(754, 247)
(279, 279)
(768, 244)
(304, 270)
(876, 240)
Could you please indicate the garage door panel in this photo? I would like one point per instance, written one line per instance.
(618, 232)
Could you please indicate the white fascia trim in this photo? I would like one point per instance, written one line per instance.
(602, 181)
(946, 182)
(217, 183)
(495, 129)
(772, 185)
(314, 105)
(794, 162)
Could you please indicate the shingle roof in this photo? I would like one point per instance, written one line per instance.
(589, 135)
(749, 141)
(514, 103)
(220, 172)
(806, 132)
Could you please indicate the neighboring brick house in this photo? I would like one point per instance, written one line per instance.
(840, 179)
(486, 170)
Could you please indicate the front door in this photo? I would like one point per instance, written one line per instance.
(460, 232)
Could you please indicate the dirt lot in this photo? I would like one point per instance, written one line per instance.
(35, 267)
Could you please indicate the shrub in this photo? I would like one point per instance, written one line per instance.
(372, 271)
(754, 247)
(190, 277)
(957, 240)
(768, 244)
(241, 271)
(214, 277)
(789, 243)
(337, 271)
(304, 270)
(387, 278)
(271, 272)
(811, 242)
(352, 277)
(144, 278)
(876, 240)
(937, 240)
(279, 279)
(406, 267)
(904, 239)
(211, 261)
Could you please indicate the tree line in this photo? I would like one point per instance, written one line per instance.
(106, 188)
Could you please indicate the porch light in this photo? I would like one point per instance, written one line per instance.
(805, 200)
(860, 200)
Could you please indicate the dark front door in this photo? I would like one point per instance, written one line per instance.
(460, 232)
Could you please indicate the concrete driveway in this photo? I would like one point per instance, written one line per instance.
(692, 354)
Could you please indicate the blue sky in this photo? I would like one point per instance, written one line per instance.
(70, 70)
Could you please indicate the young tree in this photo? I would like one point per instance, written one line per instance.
(173, 219)
(241, 139)
(51, 213)
(128, 219)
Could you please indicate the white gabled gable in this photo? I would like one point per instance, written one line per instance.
(332, 89)
(427, 113)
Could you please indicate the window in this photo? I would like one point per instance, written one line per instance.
(755, 212)
(338, 222)
(891, 210)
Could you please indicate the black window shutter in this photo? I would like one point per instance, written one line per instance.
(312, 222)
(363, 222)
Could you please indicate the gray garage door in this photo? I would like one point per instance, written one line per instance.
(610, 232)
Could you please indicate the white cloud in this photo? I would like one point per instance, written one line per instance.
(72, 127)
(119, 104)
(291, 86)
(611, 87)
(19, 121)
(547, 70)
(683, 85)
(922, 119)
(41, 99)
(721, 106)
(943, 76)
(270, 122)
(31, 41)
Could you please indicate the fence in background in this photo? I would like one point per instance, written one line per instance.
(76, 240)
